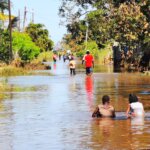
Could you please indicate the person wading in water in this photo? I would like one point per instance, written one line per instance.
(104, 109)
(89, 63)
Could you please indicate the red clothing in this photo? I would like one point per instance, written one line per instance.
(54, 57)
(88, 60)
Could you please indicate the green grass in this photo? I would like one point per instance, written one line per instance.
(12, 71)
(47, 56)
(103, 53)
(36, 64)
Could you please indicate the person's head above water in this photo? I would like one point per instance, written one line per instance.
(105, 99)
(87, 52)
(133, 98)
(72, 58)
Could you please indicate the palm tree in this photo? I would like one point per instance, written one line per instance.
(3, 5)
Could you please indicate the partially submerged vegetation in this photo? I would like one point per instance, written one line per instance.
(19, 67)
(12, 71)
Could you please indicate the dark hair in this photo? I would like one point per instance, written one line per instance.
(87, 52)
(105, 99)
(133, 98)
(72, 58)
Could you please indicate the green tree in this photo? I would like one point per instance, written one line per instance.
(4, 45)
(4, 36)
(122, 20)
(24, 47)
(3, 5)
(129, 24)
(40, 36)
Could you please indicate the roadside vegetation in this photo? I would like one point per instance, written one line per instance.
(93, 25)
(30, 46)
(96, 25)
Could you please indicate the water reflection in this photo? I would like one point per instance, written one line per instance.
(105, 126)
(110, 134)
(54, 66)
(54, 112)
(118, 134)
(89, 90)
(137, 125)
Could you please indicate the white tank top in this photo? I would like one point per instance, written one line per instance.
(138, 108)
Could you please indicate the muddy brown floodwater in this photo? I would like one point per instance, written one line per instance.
(44, 112)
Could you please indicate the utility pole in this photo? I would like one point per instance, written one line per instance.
(10, 32)
(24, 19)
(19, 20)
(32, 16)
(86, 37)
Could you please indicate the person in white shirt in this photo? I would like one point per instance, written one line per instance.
(135, 108)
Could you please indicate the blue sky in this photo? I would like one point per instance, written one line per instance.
(45, 12)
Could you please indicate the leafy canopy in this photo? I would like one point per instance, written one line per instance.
(23, 45)
(125, 21)
(40, 36)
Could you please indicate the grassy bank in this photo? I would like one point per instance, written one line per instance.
(28, 70)
(36, 64)
(45, 56)
(12, 71)
(104, 55)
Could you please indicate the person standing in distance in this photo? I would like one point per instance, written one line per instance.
(72, 66)
(89, 63)
(54, 58)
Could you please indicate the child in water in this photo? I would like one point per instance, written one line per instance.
(135, 108)
(104, 110)
(72, 66)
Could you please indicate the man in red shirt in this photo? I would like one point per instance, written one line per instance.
(89, 62)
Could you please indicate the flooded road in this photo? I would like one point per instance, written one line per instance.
(44, 112)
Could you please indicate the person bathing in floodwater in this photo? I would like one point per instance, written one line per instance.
(104, 109)
(135, 108)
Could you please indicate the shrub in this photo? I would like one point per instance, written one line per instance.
(24, 47)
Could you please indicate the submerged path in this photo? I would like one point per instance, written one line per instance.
(54, 112)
